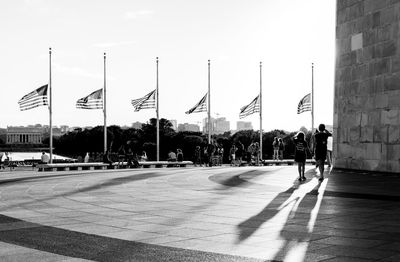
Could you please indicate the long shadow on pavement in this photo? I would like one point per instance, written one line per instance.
(107, 183)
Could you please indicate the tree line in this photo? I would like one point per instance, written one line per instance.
(77, 143)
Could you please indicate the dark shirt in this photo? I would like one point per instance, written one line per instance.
(321, 141)
(300, 150)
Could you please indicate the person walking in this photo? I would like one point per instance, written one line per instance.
(197, 156)
(300, 155)
(232, 155)
(256, 153)
(179, 155)
(329, 152)
(281, 148)
(86, 159)
(320, 149)
(275, 145)
(239, 153)
(121, 156)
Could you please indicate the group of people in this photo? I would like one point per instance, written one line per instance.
(125, 156)
(174, 157)
(237, 154)
(278, 147)
(320, 151)
(210, 155)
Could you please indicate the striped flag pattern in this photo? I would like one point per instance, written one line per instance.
(304, 104)
(92, 101)
(146, 102)
(34, 99)
(201, 106)
(251, 108)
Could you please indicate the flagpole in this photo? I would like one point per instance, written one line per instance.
(50, 110)
(105, 106)
(261, 130)
(209, 105)
(312, 97)
(157, 112)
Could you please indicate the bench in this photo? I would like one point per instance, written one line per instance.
(285, 162)
(147, 164)
(72, 166)
(102, 166)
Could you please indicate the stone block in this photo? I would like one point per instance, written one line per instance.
(343, 135)
(393, 134)
(384, 33)
(395, 68)
(381, 100)
(356, 164)
(345, 60)
(354, 135)
(369, 37)
(340, 162)
(389, 48)
(392, 166)
(374, 118)
(390, 117)
(367, 53)
(381, 134)
(392, 82)
(370, 164)
(379, 84)
(387, 15)
(373, 151)
(356, 10)
(356, 41)
(364, 119)
(377, 52)
(394, 99)
(344, 150)
(393, 152)
(376, 19)
(349, 120)
(374, 5)
(367, 134)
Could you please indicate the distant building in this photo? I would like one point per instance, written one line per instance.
(243, 125)
(65, 129)
(188, 127)
(24, 135)
(222, 125)
(218, 125)
(137, 125)
(174, 124)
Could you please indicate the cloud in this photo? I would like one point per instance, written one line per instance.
(131, 15)
(114, 44)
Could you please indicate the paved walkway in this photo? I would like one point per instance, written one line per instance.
(199, 214)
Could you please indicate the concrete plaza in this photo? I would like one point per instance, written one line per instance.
(199, 214)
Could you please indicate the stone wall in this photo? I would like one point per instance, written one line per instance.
(367, 85)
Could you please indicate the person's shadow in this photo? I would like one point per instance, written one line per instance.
(297, 202)
(297, 231)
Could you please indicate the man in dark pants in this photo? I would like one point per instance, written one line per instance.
(320, 148)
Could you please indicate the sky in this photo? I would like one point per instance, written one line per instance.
(286, 35)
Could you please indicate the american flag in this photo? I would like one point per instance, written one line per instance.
(304, 104)
(146, 102)
(34, 99)
(92, 101)
(201, 106)
(251, 108)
